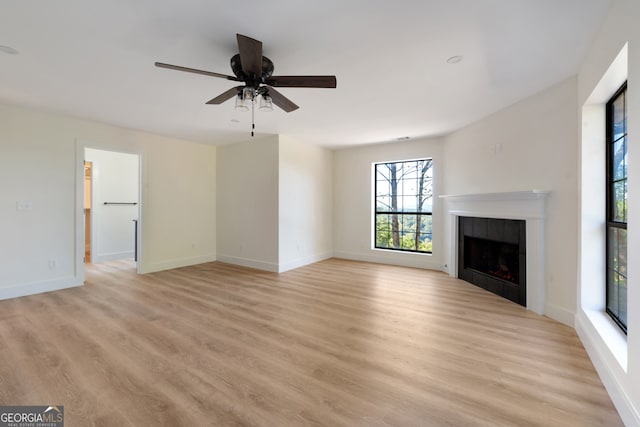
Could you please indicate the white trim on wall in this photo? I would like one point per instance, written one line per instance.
(393, 257)
(79, 213)
(25, 289)
(301, 262)
(606, 364)
(81, 146)
(524, 205)
(250, 263)
(176, 263)
(111, 256)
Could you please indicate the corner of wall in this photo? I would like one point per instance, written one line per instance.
(560, 314)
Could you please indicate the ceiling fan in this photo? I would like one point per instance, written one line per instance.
(256, 72)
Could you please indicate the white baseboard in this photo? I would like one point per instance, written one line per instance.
(301, 262)
(560, 314)
(98, 258)
(403, 259)
(175, 263)
(14, 291)
(608, 369)
(251, 263)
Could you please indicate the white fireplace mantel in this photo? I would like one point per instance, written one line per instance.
(525, 205)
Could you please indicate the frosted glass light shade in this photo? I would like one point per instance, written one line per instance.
(242, 104)
(266, 104)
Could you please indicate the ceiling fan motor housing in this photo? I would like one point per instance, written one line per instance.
(267, 71)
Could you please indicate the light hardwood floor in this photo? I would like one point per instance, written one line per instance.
(338, 343)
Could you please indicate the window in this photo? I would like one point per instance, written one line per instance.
(403, 192)
(617, 207)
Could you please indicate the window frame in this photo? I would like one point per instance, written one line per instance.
(418, 215)
(610, 223)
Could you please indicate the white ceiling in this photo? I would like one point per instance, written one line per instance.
(94, 59)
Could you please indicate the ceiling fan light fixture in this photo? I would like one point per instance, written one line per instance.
(266, 103)
(241, 103)
(248, 94)
(246, 97)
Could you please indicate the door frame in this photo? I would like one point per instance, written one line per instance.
(81, 145)
(90, 219)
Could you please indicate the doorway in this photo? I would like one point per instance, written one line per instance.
(111, 205)
(87, 211)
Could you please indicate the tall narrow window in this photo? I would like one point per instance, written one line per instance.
(617, 207)
(403, 192)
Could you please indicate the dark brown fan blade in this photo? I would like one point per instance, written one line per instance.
(250, 55)
(302, 81)
(193, 70)
(226, 95)
(282, 101)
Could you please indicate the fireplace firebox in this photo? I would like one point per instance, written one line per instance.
(492, 255)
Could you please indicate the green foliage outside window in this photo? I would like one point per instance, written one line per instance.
(617, 215)
(403, 206)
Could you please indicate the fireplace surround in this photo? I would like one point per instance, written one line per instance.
(529, 206)
(492, 255)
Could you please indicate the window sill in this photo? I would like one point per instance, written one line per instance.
(398, 251)
(612, 336)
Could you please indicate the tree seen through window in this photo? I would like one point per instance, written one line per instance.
(403, 208)
(617, 196)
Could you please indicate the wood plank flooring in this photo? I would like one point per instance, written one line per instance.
(337, 343)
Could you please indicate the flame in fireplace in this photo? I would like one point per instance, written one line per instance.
(502, 272)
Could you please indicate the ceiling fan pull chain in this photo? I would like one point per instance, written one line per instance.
(253, 124)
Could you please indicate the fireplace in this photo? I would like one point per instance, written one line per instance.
(527, 206)
(496, 259)
(492, 255)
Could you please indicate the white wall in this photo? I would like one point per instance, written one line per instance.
(36, 170)
(530, 145)
(274, 203)
(39, 164)
(114, 179)
(305, 203)
(353, 202)
(620, 372)
(247, 177)
(178, 202)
